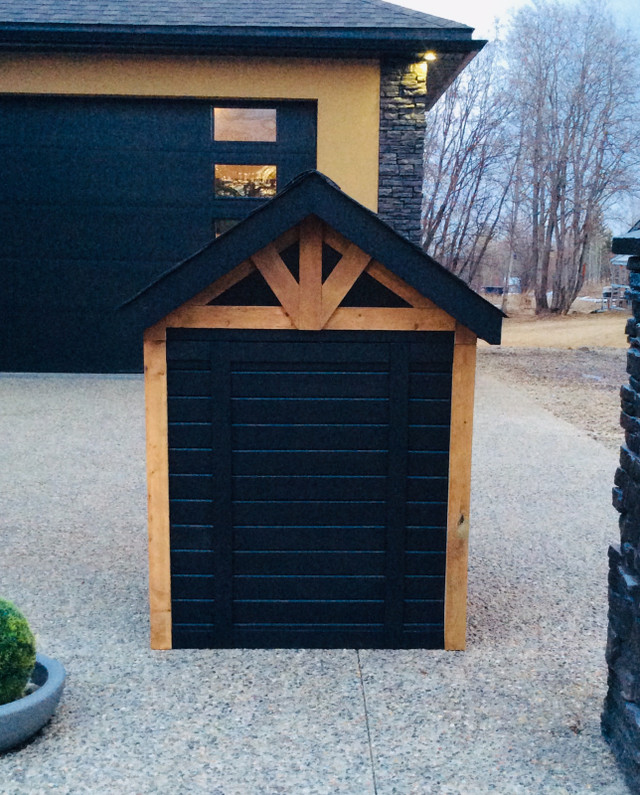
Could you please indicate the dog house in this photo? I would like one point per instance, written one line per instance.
(309, 391)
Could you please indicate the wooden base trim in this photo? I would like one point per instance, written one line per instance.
(155, 380)
(462, 393)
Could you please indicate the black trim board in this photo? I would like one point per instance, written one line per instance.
(314, 194)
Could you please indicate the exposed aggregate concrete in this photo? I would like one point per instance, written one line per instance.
(518, 712)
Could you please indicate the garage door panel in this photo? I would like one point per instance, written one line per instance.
(113, 234)
(194, 487)
(96, 177)
(189, 408)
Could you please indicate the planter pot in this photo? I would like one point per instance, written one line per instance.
(24, 717)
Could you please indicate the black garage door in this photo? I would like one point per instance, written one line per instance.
(100, 196)
(308, 487)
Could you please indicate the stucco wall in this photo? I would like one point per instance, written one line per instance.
(347, 93)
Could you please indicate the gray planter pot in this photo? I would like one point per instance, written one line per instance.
(24, 717)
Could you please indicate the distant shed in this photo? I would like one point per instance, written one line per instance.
(309, 386)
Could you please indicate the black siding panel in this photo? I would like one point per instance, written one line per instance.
(308, 487)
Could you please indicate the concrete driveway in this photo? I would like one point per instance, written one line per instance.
(518, 712)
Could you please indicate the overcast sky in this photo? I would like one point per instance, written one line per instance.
(480, 14)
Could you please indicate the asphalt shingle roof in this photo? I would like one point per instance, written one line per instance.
(223, 13)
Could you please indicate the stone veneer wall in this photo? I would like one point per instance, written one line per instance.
(403, 95)
(621, 715)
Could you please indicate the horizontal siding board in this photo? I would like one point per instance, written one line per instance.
(179, 351)
(191, 487)
(421, 587)
(430, 514)
(189, 409)
(427, 488)
(312, 612)
(192, 561)
(190, 434)
(425, 463)
(311, 563)
(188, 383)
(430, 636)
(426, 539)
(301, 487)
(309, 437)
(423, 611)
(310, 384)
(291, 539)
(312, 410)
(191, 512)
(307, 513)
(429, 437)
(429, 411)
(194, 587)
(308, 587)
(312, 463)
(190, 462)
(425, 563)
(192, 537)
(430, 385)
(193, 611)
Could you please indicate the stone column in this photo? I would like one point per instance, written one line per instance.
(621, 715)
(403, 95)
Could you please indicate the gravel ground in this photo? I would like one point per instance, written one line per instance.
(581, 386)
(518, 712)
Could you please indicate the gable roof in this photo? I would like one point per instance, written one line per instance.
(314, 194)
(311, 28)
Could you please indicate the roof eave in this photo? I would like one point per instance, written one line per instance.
(356, 42)
(627, 244)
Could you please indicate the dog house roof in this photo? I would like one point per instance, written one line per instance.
(314, 194)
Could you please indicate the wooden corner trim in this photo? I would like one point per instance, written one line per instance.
(462, 396)
(155, 379)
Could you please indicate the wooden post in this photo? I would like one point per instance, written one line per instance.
(462, 392)
(155, 381)
(310, 296)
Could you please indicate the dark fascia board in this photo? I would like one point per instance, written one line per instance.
(313, 194)
(627, 244)
(346, 42)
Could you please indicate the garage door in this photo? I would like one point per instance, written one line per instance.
(100, 196)
(308, 487)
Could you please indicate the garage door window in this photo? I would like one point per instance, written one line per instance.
(245, 181)
(244, 124)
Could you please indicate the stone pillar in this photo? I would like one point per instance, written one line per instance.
(621, 715)
(403, 95)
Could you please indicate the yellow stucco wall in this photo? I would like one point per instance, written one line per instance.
(347, 93)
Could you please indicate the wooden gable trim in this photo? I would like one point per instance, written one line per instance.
(311, 289)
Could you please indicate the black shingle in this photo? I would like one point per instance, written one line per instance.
(223, 13)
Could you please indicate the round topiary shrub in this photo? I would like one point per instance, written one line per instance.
(17, 652)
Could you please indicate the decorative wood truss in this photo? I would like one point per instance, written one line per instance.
(310, 303)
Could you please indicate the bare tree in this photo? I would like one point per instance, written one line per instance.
(469, 165)
(575, 93)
